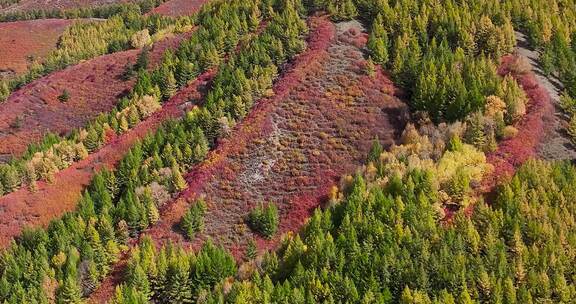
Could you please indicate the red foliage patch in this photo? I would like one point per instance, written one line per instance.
(32, 5)
(94, 87)
(22, 41)
(515, 151)
(175, 8)
(24, 208)
(292, 147)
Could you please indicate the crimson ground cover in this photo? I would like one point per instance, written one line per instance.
(94, 87)
(24, 208)
(24, 41)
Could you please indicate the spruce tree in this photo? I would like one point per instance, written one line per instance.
(178, 182)
(68, 292)
(375, 151)
(193, 220)
(142, 61)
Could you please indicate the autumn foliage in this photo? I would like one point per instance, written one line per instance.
(515, 151)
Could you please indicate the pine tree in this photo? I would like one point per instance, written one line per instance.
(168, 87)
(122, 231)
(370, 68)
(341, 9)
(133, 117)
(185, 71)
(193, 220)
(124, 126)
(475, 131)
(69, 292)
(572, 128)
(465, 297)
(251, 250)
(10, 177)
(92, 142)
(375, 151)
(153, 213)
(264, 219)
(142, 61)
(4, 91)
(139, 280)
(178, 182)
(378, 47)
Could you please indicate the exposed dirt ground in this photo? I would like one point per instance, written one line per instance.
(24, 208)
(94, 87)
(23, 41)
(556, 144)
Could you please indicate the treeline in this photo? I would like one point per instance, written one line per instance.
(551, 28)
(381, 239)
(432, 159)
(443, 54)
(76, 251)
(82, 41)
(103, 12)
(172, 275)
(383, 243)
(85, 40)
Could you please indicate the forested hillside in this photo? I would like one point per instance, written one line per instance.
(299, 151)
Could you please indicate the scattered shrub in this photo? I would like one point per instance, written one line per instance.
(65, 96)
(141, 39)
(509, 132)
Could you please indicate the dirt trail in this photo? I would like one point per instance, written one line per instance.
(24, 208)
(556, 144)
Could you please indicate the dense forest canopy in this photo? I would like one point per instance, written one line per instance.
(78, 250)
(384, 235)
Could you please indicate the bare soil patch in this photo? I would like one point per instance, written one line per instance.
(556, 144)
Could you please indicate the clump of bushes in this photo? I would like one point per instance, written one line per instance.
(65, 96)
(264, 219)
(193, 220)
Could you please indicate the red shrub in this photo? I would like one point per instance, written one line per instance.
(513, 152)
